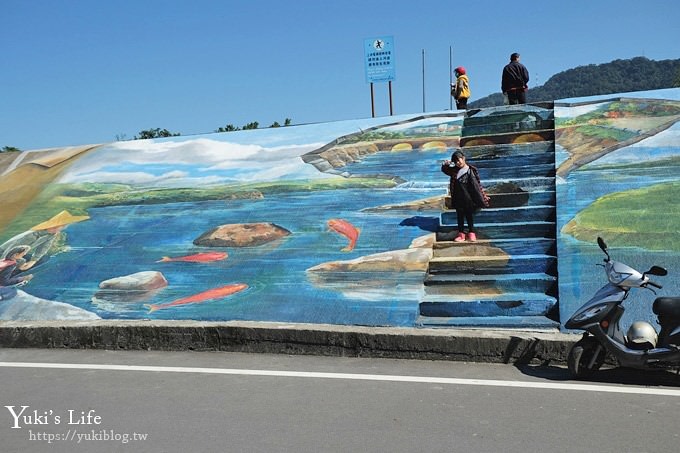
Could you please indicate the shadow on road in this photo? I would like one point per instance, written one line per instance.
(606, 375)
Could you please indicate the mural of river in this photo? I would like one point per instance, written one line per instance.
(579, 275)
(357, 199)
(646, 163)
(122, 240)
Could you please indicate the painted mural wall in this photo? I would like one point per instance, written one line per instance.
(618, 168)
(323, 223)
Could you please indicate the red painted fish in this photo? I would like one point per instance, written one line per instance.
(205, 257)
(215, 293)
(346, 229)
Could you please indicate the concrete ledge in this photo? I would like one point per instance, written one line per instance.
(499, 346)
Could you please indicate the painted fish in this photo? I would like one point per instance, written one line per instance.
(205, 257)
(346, 229)
(215, 293)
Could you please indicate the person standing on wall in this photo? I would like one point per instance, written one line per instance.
(467, 194)
(515, 80)
(461, 89)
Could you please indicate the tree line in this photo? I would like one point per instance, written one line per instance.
(618, 76)
(157, 132)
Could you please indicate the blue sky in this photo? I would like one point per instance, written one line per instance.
(82, 71)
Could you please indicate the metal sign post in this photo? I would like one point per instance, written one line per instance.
(379, 63)
(372, 102)
(423, 63)
(450, 77)
(390, 90)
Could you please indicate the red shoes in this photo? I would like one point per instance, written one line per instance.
(472, 237)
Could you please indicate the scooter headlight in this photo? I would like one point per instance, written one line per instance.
(589, 313)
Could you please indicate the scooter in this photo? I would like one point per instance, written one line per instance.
(641, 348)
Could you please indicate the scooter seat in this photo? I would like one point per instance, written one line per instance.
(667, 306)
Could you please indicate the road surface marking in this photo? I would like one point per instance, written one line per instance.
(353, 376)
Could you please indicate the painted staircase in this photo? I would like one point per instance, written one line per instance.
(508, 278)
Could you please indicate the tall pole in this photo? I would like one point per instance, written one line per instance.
(390, 87)
(423, 80)
(450, 76)
(372, 102)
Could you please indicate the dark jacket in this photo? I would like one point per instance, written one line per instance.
(515, 77)
(463, 197)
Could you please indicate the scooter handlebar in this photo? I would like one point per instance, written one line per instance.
(654, 284)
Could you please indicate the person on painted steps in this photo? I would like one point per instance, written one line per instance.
(467, 194)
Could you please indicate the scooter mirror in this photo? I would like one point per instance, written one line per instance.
(657, 270)
(602, 244)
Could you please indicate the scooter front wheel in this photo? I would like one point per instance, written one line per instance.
(585, 358)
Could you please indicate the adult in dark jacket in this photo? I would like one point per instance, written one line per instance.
(515, 80)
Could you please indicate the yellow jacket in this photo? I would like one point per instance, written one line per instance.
(462, 87)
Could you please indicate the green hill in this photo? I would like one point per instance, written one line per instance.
(618, 76)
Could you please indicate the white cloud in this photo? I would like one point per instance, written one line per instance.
(122, 177)
(125, 162)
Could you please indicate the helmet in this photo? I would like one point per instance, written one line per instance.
(460, 70)
(641, 335)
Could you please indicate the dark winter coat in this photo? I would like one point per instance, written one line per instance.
(466, 194)
(515, 77)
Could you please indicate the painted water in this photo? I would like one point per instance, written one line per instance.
(579, 274)
(124, 240)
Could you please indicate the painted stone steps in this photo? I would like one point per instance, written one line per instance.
(541, 148)
(502, 165)
(507, 122)
(508, 278)
(541, 323)
(544, 213)
(527, 184)
(511, 246)
(514, 199)
(509, 195)
(509, 163)
(509, 138)
(490, 171)
(510, 114)
(512, 304)
(493, 130)
(502, 124)
(543, 108)
(459, 285)
(496, 264)
(504, 230)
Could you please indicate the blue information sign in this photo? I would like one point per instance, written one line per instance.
(379, 59)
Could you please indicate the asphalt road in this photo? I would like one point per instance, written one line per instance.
(109, 401)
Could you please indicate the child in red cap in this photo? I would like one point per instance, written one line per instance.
(461, 89)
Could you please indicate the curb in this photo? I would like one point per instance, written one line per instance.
(493, 346)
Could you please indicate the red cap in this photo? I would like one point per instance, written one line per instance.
(460, 70)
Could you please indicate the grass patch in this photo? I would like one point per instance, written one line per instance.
(647, 218)
(604, 132)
